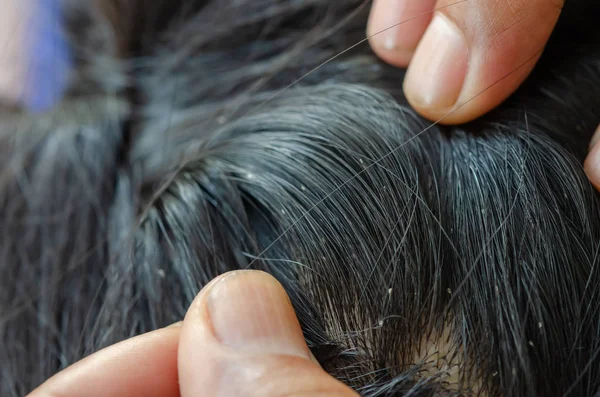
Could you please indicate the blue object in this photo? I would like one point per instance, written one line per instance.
(49, 57)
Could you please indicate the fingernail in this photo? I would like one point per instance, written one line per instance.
(397, 25)
(437, 72)
(250, 312)
(595, 138)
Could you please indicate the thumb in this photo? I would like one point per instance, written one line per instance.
(592, 162)
(472, 55)
(241, 337)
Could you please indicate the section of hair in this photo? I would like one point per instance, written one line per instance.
(421, 260)
(57, 189)
(493, 234)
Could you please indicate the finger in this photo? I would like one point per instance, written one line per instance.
(241, 337)
(396, 26)
(142, 366)
(34, 56)
(592, 162)
(475, 54)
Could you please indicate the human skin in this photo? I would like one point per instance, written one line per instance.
(477, 50)
(240, 337)
(592, 162)
(467, 56)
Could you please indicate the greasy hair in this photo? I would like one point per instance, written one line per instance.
(421, 259)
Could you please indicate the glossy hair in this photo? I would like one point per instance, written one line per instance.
(422, 260)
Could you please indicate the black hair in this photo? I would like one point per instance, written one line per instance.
(421, 259)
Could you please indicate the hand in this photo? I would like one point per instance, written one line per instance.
(465, 46)
(592, 163)
(468, 55)
(240, 337)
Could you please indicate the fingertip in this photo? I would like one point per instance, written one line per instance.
(144, 365)
(436, 76)
(480, 96)
(592, 162)
(240, 313)
(396, 26)
(243, 333)
(474, 55)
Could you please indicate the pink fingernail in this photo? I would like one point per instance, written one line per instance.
(437, 72)
(251, 312)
